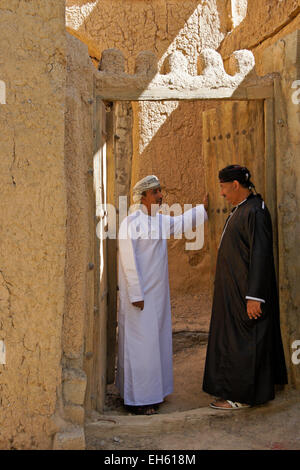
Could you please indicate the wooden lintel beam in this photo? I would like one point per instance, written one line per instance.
(162, 94)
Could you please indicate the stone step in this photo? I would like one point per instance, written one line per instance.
(111, 426)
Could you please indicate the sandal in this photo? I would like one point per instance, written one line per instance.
(147, 410)
(234, 405)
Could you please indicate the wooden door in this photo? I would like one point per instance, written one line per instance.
(233, 133)
(101, 290)
(95, 337)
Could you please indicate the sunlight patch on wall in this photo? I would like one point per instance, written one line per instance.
(76, 15)
(2, 92)
(238, 11)
(151, 117)
(100, 191)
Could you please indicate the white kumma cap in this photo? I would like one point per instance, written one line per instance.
(149, 182)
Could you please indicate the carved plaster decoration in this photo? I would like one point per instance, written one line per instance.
(213, 82)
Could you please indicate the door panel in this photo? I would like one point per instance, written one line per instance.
(233, 133)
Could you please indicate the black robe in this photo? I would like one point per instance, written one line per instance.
(245, 357)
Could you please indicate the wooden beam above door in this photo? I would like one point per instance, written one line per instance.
(163, 94)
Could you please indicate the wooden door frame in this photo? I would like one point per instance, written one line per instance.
(271, 172)
(266, 93)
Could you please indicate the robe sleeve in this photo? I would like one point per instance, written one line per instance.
(261, 254)
(128, 261)
(188, 220)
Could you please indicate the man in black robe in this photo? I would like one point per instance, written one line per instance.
(245, 357)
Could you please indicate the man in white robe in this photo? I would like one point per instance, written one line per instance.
(145, 369)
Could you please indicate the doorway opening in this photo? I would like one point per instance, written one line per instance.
(214, 134)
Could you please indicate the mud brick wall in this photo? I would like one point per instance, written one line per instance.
(32, 219)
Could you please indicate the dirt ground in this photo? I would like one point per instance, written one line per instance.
(274, 426)
(271, 427)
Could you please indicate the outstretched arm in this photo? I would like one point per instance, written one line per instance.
(190, 219)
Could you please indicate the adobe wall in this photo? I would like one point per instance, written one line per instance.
(159, 26)
(79, 152)
(265, 23)
(32, 219)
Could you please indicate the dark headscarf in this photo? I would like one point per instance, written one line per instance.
(238, 173)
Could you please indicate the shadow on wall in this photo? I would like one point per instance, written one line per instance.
(264, 23)
(161, 28)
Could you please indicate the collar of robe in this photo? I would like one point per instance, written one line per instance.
(251, 195)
